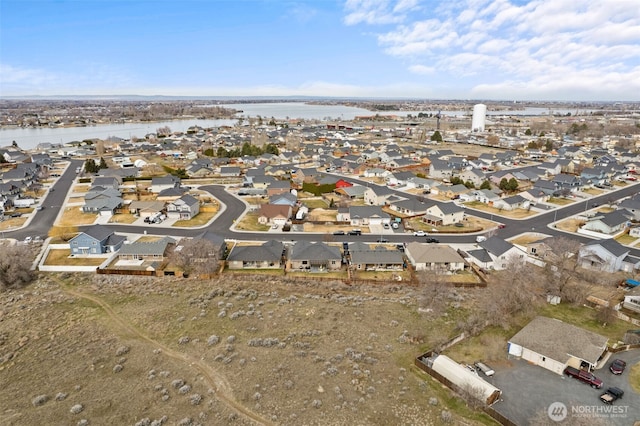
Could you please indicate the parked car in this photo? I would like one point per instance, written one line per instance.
(395, 225)
(27, 240)
(419, 234)
(502, 226)
(382, 240)
(584, 376)
(39, 208)
(617, 366)
(433, 240)
(355, 232)
(386, 226)
(338, 232)
(611, 395)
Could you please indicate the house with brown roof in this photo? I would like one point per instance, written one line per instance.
(274, 214)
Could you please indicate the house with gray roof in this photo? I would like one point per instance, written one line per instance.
(555, 345)
(363, 257)
(184, 208)
(269, 255)
(438, 258)
(313, 257)
(367, 215)
(607, 255)
(147, 250)
(630, 207)
(160, 183)
(607, 223)
(444, 214)
(101, 200)
(410, 207)
(376, 195)
(512, 203)
(496, 253)
(96, 239)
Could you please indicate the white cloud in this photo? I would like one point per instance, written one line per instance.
(377, 11)
(539, 46)
(422, 69)
(24, 76)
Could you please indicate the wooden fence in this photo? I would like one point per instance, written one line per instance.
(489, 410)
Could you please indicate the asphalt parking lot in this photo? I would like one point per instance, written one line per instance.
(528, 390)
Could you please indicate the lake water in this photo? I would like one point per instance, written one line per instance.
(29, 138)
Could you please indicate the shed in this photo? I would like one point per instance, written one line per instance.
(465, 380)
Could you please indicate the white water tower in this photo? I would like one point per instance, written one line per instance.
(479, 114)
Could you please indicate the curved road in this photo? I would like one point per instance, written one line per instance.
(234, 208)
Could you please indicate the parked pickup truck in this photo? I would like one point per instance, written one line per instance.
(611, 395)
(583, 376)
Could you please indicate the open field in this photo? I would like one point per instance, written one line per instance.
(251, 351)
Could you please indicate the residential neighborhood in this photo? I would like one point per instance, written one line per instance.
(359, 205)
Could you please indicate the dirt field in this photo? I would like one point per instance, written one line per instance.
(123, 350)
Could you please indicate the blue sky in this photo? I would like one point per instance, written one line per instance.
(473, 49)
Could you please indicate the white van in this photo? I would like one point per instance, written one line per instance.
(480, 238)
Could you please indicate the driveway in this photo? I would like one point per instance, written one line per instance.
(529, 390)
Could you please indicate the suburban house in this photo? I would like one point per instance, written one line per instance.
(113, 182)
(631, 207)
(555, 345)
(377, 195)
(366, 215)
(184, 208)
(365, 258)
(444, 214)
(286, 198)
(266, 256)
(410, 207)
(512, 203)
(438, 258)
(96, 239)
(607, 255)
(146, 208)
(440, 169)
(160, 183)
(229, 171)
(278, 187)
(496, 253)
(277, 214)
(314, 257)
(608, 223)
(147, 250)
(103, 201)
(567, 182)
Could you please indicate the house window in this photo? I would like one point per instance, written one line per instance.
(94, 243)
(304, 262)
(533, 250)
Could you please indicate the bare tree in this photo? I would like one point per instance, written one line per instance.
(606, 314)
(199, 256)
(561, 269)
(511, 292)
(433, 291)
(15, 267)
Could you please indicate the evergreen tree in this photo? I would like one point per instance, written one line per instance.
(436, 136)
(485, 185)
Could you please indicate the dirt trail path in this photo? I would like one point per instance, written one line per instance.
(211, 375)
